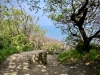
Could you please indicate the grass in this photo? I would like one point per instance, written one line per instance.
(71, 56)
(75, 56)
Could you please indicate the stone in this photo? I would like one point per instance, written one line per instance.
(40, 57)
(26, 60)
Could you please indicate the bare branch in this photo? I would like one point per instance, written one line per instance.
(81, 10)
(96, 34)
(73, 7)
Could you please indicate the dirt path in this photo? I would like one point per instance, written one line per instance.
(14, 65)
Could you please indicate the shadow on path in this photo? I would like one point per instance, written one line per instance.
(15, 65)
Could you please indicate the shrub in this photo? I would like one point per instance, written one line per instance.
(4, 53)
(1, 43)
(1, 46)
(79, 47)
(54, 48)
(19, 42)
(70, 56)
(94, 54)
(75, 55)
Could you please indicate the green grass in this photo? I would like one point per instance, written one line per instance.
(75, 56)
(69, 56)
(72, 56)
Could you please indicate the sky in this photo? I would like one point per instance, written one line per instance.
(47, 23)
(52, 31)
(44, 21)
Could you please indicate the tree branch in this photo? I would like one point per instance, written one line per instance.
(83, 10)
(81, 21)
(96, 34)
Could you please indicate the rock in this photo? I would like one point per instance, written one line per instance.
(26, 59)
(39, 57)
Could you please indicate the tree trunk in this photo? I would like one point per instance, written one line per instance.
(86, 45)
(86, 40)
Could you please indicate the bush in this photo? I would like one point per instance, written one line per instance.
(53, 48)
(75, 56)
(1, 46)
(94, 54)
(1, 43)
(79, 47)
(69, 56)
(93, 46)
(17, 34)
(4, 53)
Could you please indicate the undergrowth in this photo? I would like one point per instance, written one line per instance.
(75, 56)
(4, 53)
(50, 46)
(72, 56)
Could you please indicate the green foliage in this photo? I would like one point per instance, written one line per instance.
(57, 18)
(75, 56)
(19, 42)
(94, 46)
(53, 48)
(99, 72)
(18, 27)
(69, 56)
(79, 47)
(61, 57)
(4, 53)
(1, 43)
(66, 14)
(17, 32)
(94, 54)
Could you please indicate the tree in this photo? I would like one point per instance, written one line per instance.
(78, 18)
(17, 28)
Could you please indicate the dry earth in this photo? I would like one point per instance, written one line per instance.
(16, 65)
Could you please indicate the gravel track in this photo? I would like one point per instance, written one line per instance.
(16, 64)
